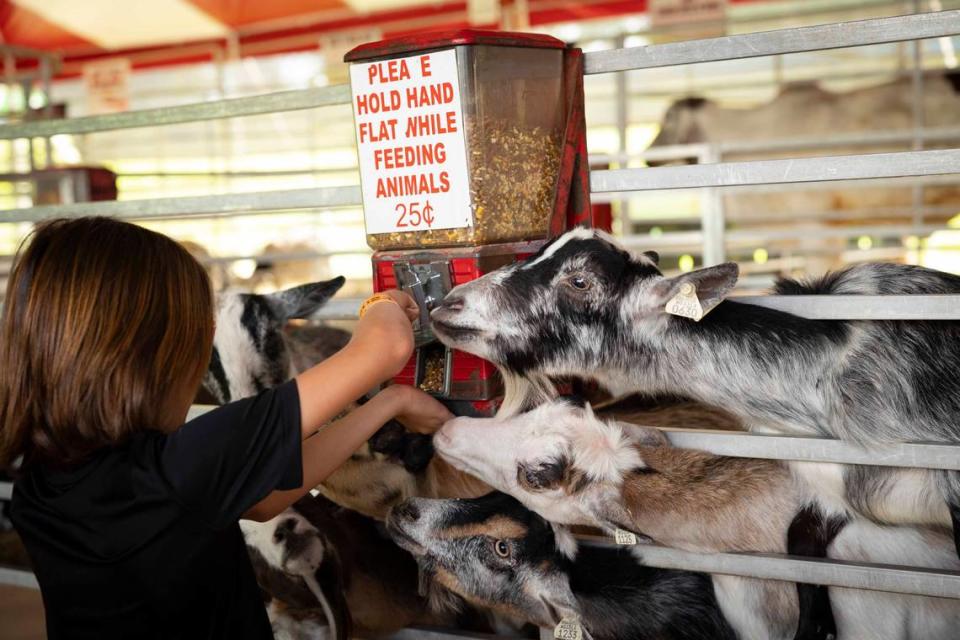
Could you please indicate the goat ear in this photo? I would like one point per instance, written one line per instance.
(607, 509)
(646, 436)
(301, 302)
(330, 579)
(653, 255)
(565, 541)
(710, 285)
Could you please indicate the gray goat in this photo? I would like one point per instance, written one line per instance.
(585, 306)
(493, 552)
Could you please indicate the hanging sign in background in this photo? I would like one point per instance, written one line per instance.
(107, 85)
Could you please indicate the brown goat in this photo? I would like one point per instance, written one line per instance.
(570, 467)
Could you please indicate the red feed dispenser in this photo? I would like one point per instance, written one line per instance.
(472, 150)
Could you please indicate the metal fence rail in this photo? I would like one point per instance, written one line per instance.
(781, 41)
(197, 112)
(424, 633)
(740, 444)
(228, 204)
(838, 573)
(847, 307)
(753, 172)
(791, 143)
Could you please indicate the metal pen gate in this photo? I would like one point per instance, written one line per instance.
(898, 579)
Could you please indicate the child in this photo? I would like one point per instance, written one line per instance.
(129, 515)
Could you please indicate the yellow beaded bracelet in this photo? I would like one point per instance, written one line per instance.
(374, 299)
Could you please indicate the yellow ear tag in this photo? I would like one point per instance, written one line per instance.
(568, 629)
(685, 303)
(624, 537)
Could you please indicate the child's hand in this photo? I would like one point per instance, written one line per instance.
(416, 410)
(385, 332)
(406, 302)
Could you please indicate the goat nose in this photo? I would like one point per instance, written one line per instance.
(452, 303)
(407, 511)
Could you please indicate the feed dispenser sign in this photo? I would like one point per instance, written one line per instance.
(410, 141)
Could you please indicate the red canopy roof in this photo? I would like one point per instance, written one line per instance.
(167, 31)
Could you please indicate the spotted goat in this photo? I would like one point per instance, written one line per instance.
(571, 467)
(586, 306)
(256, 348)
(493, 552)
(252, 350)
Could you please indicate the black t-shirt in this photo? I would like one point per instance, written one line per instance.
(142, 540)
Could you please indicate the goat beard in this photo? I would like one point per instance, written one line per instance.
(524, 392)
(439, 598)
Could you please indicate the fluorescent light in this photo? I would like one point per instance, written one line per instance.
(243, 269)
(568, 32)
(369, 6)
(636, 23)
(636, 41)
(596, 45)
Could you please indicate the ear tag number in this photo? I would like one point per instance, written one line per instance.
(686, 304)
(568, 629)
(624, 537)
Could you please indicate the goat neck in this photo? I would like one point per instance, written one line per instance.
(701, 502)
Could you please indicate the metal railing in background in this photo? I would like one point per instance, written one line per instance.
(834, 573)
(213, 110)
(780, 41)
(792, 170)
(228, 204)
(706, 176)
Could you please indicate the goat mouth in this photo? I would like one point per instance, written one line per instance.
(454, 461)
(404, 539)
(464, 464)
(454, 332)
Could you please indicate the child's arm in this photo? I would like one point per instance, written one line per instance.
(223, 461)
(382, 343)
(327, 450)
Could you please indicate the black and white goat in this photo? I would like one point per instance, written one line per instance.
(585, 306)
(571, 467)
(494, 552)
(252, 348)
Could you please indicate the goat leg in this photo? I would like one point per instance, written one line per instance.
(955, 518)
(810, 534)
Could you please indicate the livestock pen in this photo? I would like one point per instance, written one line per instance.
(708, 178)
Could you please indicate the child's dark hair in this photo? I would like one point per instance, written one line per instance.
(107, 329)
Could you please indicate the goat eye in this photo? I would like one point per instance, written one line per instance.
(501, 548)
(579, 283)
